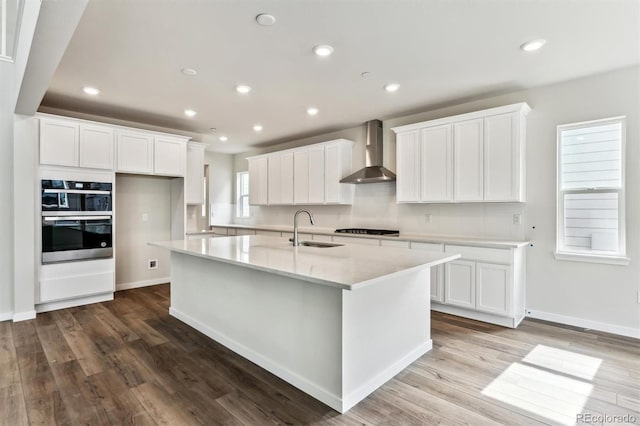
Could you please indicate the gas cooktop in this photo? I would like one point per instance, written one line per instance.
(365, 231)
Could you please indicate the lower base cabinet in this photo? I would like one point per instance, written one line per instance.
(460, 284)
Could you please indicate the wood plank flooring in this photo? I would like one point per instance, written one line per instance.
(128, 362)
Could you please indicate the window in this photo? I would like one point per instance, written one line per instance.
(242, 189)
(204, 210)
(590, 223)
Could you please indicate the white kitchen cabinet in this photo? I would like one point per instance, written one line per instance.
(258, 180)
(436, 157)
(460, 284)
(169, 156)
(195, 173)
(468, 160)
(503, 158)
(59, 142)
(280, 179)
(316, 175)
(301, 177)
(69, 280)
(473, 157)
(96, 147)
(437, 272)
(408, 167)
(493, 288)
(245, 232)
(134, 152)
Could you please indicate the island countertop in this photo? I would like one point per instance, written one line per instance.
(349, 266)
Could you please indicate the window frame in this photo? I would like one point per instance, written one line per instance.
(561, 252)
(240, 196)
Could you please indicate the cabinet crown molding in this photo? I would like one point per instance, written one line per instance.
(521, 107)
(301, 148)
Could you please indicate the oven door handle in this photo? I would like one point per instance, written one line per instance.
(58, 218)
(75, 191)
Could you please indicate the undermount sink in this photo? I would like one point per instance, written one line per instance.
(318, 244)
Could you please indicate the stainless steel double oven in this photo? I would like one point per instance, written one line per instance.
(76, 220)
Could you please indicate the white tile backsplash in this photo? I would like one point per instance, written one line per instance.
(375, 207)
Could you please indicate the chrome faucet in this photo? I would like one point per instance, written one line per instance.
(295, 225)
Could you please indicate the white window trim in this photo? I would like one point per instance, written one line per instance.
(239, 195)
(619, 258)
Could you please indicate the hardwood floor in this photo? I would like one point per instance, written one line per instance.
(128, 362)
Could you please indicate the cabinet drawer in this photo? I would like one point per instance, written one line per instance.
(219, 230)
(352, 240)
(481, 254)
(427, 246)
(392, 243)
(60, 281)
(245, 232)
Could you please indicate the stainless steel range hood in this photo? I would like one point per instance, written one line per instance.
(374, 171)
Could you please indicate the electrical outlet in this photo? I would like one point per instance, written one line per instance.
(152, 264)
(516, 219)
(427, 217)
(145, 217)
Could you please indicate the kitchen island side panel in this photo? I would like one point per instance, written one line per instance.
(290, 327)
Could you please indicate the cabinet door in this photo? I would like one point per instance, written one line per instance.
(408, 167)
(501, 158)
(316, 175)
(169, 157)
(59, 143)
(195, 175)
(468, 160)
(333, 174)
(436, 164)
(96, 147)
(460, 284)
(493, 288)
(437, 272)
(274, 182)
(286, 178)
(301, 177)
(134, 152)
(258, 181)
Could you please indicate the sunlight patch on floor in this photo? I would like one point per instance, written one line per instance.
(558, 395)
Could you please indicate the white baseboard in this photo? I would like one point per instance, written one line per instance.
(70, 303)
(476, 315)
(268, 364)
(5, 316)
(583, 323)
(24, 316)
(144, 283)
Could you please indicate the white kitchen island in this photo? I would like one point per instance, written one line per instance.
(335, 322)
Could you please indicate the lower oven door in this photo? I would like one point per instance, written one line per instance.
(68, 238)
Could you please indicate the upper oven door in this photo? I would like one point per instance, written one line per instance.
(75, 200)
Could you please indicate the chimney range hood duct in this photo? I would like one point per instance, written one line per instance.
(373, 171)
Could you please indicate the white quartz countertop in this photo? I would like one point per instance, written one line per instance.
(422, 238)
(348, 267)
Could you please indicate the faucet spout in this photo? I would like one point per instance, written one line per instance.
(295, 225)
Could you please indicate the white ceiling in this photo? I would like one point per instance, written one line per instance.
(440, 51)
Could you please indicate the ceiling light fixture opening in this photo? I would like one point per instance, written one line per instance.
(189, 71)
(323, 50)
(533, 45)
(243, 89)
(90, 90)
(257, 128)
(312, 111)
(190, 113)
(265, 19)
(392, 87)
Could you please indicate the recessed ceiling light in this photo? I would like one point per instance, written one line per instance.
(323, 50)
(223, 138)
(392, 87)
(243, 89)
(312, 111)
(257, 128)
(189, 71)
(90, 90)
(189, 113)
(365, 74)
(265, 19)
(533, 45)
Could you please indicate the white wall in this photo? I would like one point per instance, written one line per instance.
(591, 295)
(135, 196)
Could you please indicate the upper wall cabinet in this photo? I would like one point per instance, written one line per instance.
(475, 157)
(75, 144)
(195, 173)
(134, 152)
(307, 175)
